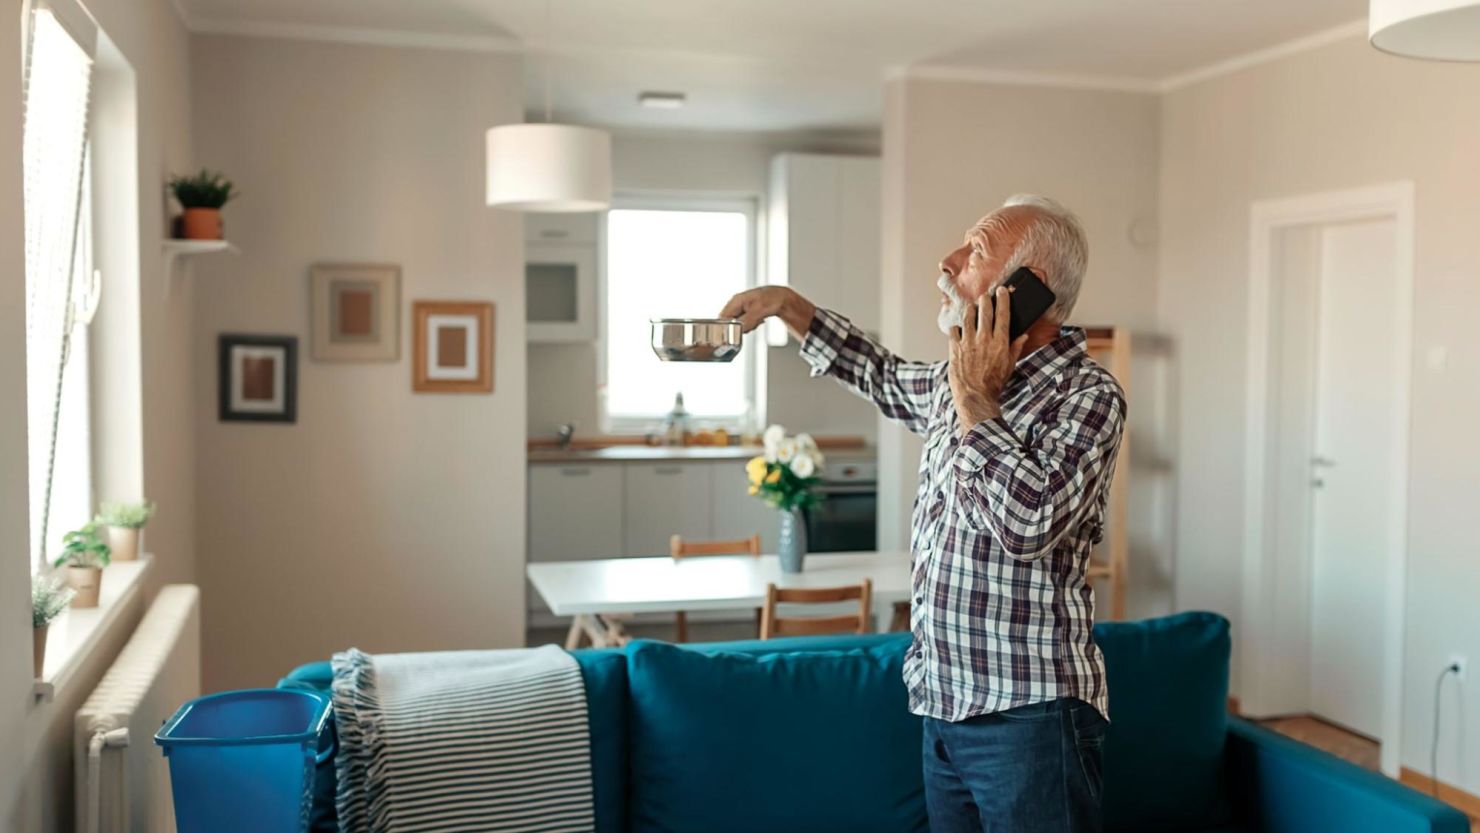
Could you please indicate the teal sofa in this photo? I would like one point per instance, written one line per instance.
(814, 734)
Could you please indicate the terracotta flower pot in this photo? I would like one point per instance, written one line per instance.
(124, 542)
(201, 224)
(38, 648)
(86, 581)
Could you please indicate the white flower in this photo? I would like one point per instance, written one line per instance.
(786, 451)
(770, 454)
(773, 437)
(806, 442)
(803, 466)
(817, 458)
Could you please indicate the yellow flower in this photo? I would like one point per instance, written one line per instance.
(756, 469)
(774, 477)
(754, 489)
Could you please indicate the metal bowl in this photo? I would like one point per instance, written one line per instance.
(696, 339)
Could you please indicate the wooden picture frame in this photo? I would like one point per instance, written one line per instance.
(355, 312)
(257, 378)
(452, 347)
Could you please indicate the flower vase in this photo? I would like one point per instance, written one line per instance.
(792, 545)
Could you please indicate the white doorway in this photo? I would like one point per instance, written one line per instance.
(1330, 335)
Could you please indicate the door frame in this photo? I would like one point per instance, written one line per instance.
(1266, 688)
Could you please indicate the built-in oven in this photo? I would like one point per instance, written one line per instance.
(845, 520)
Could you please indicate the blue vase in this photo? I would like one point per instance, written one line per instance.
(792, 545)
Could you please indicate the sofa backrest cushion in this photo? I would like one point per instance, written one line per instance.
(775, 738)
(605, 676)
(1163, 764)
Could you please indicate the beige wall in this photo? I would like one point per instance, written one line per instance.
(730, 164)
(1338, 117)
(381, 519)
(36, 764)
(953, 152)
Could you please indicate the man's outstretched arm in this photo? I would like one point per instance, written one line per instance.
(902, 390)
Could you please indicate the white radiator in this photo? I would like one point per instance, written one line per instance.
(122, 780)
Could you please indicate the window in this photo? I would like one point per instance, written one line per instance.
(674, 259)
(61, 285)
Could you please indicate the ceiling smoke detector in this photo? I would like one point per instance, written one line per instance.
(661, 101)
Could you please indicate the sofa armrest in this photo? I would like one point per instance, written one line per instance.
(1280, 785)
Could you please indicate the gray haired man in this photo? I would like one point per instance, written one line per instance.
(1020, 445)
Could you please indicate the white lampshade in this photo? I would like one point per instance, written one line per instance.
(549, 167)
(1442, 30)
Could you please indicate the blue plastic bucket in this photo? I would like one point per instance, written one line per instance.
(243, 761)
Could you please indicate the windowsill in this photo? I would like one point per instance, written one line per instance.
(75, 634)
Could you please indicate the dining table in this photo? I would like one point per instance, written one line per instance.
(598, 593)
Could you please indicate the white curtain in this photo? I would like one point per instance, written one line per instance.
(58, 274)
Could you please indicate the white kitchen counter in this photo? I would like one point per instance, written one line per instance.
(679, 454)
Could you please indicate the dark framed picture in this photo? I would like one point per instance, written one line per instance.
(453, 347)
(258, 378)
(356, 312)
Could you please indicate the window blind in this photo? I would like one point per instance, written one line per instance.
(58, 77)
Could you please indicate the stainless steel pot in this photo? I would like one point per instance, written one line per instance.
(696, 339)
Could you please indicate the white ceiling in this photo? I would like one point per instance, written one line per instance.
(797, 64)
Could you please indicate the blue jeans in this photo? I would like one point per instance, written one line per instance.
(1032, 769)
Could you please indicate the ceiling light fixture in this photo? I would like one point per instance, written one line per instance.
(1440, 30)
(661, 101)
(555, 168)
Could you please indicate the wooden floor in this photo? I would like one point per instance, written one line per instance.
(1343, 743)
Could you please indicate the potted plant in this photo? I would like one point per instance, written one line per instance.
(84, 555)
(202, 195)
(784, 476)
(49, 598)
(125, 522)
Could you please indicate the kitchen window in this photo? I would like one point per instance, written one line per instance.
(674, 259)
(61, 283)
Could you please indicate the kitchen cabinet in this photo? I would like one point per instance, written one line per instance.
(823, 232)
(561, 255)
(581, 227)
(734, 512)
(560, 292)
(575, 512)
(661, 500)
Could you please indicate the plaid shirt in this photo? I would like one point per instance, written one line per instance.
(1004, 520)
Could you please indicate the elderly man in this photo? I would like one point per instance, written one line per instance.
(1020, 444)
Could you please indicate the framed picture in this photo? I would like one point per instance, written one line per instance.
(258, 378)
(356, 312)
(452, 347)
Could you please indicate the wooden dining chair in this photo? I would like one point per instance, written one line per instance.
(773, 625)
(900, 621)
(679, 548)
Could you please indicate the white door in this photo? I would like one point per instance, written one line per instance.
(1352, 469)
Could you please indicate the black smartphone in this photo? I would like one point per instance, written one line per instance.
(1031, 298)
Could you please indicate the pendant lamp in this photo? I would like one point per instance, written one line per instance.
(1440, 30)
(549, 167)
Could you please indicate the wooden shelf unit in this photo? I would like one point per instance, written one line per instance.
(1111, 347)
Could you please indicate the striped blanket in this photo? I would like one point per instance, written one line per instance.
(462, 741)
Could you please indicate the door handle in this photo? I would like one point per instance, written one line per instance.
(575, 472)
(1320, 462)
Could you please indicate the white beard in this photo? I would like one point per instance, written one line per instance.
(952, 314)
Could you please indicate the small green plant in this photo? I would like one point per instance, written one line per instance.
(83, 548)
(207, 189)
(126, 515)
(49, 597)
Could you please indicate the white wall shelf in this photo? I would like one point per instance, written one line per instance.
(174, 249)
